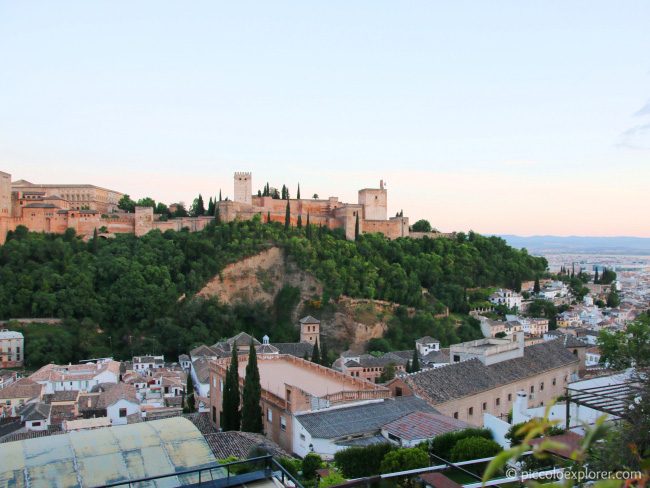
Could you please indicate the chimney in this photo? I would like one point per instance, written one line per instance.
(519, 408)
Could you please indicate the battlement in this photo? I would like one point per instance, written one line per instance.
(243, 174)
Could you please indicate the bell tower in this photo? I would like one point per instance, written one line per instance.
(309, 330)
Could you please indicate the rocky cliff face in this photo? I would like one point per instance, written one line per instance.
(259, 278)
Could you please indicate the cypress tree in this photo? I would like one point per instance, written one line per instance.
(200, 207)
(95, 241)
(251, 411)
(259, 193)
(219, 194)
(217, 216)
(596, 276)
(299, 221)
(315, 353)
(298, 192)
(210, 210)
(231, 413)
(415, 364)
(356, 228)
(408, 366)
(268, 217)
(287, 217)
(308, 228)
(189, 395)
(536, 287)
(324, 360)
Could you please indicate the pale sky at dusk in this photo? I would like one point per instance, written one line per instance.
(503, 117)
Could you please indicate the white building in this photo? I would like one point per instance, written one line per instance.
(12, 349)
(36, 416)
(511, 299)
(142, 364)
(427, 344)
(81, 377)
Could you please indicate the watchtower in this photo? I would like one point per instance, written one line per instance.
(375, 202)
(309, 329)
(244, 187)
(5, 194)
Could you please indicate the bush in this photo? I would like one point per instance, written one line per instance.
(515, 438)
(332, 479)
(404, 459)
(358, 462)
(291, 465)
(310, 464)
(474, 448)
(442, 445)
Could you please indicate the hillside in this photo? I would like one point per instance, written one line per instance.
(123, 293)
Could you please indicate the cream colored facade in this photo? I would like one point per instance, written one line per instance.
(12, 349)
(79, 197)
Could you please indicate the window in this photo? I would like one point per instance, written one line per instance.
(398, 391)
(36, 424)
(283, 423)
(541, 386)
(509, 397)
(484, 406)
(456, 358)
(554, 381)
(498, 402)
(214, 414)
(532, 388)
(470, 411)
(455, 415)
(122, 412)
(269, 415)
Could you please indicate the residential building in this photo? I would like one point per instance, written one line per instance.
(371, 368)
(328, 431)
(35, 416)
(592, 357)
(425, 345)
(489, 350)
(420, 426)
(467, 389)
(7, 377)
(18, 394)
(82, 377)
(12, 349)
(141, 364)
(508, 298)
(291, 385)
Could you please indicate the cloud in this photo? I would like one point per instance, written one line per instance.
(645, 110)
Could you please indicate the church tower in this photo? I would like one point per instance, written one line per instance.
(309, 330)
(244, 187)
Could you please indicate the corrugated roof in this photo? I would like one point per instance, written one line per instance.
(100, 456)
(360, 419)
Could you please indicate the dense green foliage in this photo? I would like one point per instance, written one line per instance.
(442, 445)
(517, 432)
(421, 225)
(404, 459)
(121, 295)
(231, 419)
(631, 347)
(359, 462)
(310, 463)
(474, 448)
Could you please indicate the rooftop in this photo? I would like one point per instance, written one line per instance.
(10, 334)
(423, 425)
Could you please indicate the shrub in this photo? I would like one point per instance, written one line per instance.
(310, 464)
(358, 462)
(404, 459)
(332, 479)
(291, 465)
(442, 445)
(474, 448)
(515, 438)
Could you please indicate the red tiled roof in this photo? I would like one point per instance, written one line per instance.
(439, 480)
(571, 441)
(423, 425)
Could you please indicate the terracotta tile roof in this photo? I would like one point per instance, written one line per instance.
(75, 372)
(61, 396)
(114, 392)
(23, 388)
(243, 339)
(204, 351)
(423, 425)
(202, 368)
(439, 480)
(239, 444)
(571, 441)
(470, 377)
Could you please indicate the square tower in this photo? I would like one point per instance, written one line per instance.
(5, 194)
(375, 202)
(309, 329)
(244, 187)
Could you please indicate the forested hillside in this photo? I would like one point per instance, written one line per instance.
(125, 295)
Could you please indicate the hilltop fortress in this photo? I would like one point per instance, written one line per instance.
(86, 208)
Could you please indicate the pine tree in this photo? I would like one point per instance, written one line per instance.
(299, 225)
(298, 192)
(308, 228)
(324, 359)
(287, 217)
(315, 353)
(231, 413)
(536, 287)
(251, 411)
(415, 363)
(356, 229)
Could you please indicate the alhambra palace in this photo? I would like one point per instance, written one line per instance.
(55, 208)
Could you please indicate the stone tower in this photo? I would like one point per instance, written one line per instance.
(5, 194)
(244, 188)
(143, 220)
(375, 202)
(309, 329)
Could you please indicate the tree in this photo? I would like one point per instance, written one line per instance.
(210, 210)
(536, 287)
(334, 478)
(596, 276)
(608, 276)
(251, 410)
(408, 368)
(95, 242)
(356, 228)
(190, 403)
(631, 347)
(315, 354)
(324, 359)
(388, 373)
(287, 217)
(299, 224)
(220, 199)
(161, 209)
(308, 229)
(298, 192)
(315, 196)
(310, 464)
(217, 215)
(415, 363)
(125, 203)
(359, 462)
(404, 459)
(268, 217)
(230, 402)
(613, 299)
(198, 208)
(146, 202)
(422, 225)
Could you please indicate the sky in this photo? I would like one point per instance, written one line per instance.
(503, 117)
